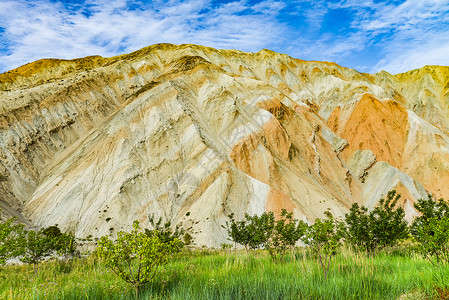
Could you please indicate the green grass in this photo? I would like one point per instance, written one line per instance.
(237, 275)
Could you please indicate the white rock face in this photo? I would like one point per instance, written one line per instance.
(360, 162)
(192, 134)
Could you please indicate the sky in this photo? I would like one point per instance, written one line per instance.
(369, 36)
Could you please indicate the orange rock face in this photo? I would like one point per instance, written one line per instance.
(277, 200)
(379, 126)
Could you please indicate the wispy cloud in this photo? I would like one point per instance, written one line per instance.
(402, 34)
(410, 34)
(37, 29)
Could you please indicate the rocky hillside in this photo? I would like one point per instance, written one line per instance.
(92, 144)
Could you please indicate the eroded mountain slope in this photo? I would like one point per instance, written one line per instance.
(94, 143)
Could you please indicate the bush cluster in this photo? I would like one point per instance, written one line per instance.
(136, 256)
(32, 246)
(265, 231)
(277, 235)
(368, 231)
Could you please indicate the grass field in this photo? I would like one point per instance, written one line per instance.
(204, 274)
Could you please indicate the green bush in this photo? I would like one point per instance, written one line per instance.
(34, 247)
(9, 239)
(384, 226)
(264, 231)
(253, 231)
(324, 237)
(285, 233)
(167, 233)
(136, 256)
(431, 229)
(63, 243)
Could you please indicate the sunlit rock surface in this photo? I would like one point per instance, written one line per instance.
(95, 143)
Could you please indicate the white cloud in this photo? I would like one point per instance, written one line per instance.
(38, 29)
(269, 7)
(408, 56)
(410, 34)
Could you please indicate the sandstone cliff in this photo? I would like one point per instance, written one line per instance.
(92, 144)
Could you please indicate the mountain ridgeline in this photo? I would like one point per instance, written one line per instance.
(192, 134)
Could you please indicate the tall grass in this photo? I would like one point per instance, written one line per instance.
(237, 275)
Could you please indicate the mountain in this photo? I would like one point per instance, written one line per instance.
(191, 134)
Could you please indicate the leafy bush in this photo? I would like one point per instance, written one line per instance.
(224, 246)
(8, 240)
(324, 237)
(252, 232)
(34, 247)
(167, 234)
(431, 229)
(384, 226)
(266, 232)
(136, 256)
(63, 243)
(285, 234)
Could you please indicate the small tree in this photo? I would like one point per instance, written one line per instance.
(253, 231)
(63, 243)
(384, 226)
(431, 229)
(8, 239)
(35, 246)
(259, 229)
(389, 222)
(359, 229)
(135, 257)
(324, 237)
(284, 234)
(266, 232)
(236, 231)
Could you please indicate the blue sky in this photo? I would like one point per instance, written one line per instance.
(369, 36)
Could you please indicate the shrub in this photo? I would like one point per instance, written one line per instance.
(225, 246)
(431, 229)
(285, 234)
(63, 243)
(252, 232)
(324, 237)
(266, 232)
(136, 256)
(8, 240)
(167, 233)
(35, 246)
(384, 226)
